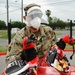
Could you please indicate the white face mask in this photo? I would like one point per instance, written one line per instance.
(35, 23)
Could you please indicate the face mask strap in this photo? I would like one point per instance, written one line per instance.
(25, 13)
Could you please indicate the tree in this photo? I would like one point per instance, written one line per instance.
(17, 24)
(2, 25)
(57, 23)
(48, 13)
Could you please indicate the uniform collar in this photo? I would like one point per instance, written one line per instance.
(42, 31)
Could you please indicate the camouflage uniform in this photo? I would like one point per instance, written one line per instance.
(44, 40)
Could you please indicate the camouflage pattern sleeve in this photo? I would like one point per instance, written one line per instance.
(16, 47)
(47, 39)
(51, 34)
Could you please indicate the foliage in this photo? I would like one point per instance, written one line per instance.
(2, 25)
(56, 23)
(14, 24)
(17, 24)
(48, 13)
(4, 35)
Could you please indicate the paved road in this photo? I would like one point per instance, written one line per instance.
(63, 33)
(2, 63)
(3, 42)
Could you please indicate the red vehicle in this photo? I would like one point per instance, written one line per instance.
(43, 69)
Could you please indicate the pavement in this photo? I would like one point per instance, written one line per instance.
(63, 33)
(2, 63)
(3, 42)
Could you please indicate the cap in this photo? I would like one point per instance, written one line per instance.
(30, 5)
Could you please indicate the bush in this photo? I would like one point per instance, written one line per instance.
(17, 24)
(2, 25)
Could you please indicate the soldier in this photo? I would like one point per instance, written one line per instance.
(45, 36)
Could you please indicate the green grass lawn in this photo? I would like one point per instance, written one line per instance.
(68, 47)
(3, 48)
(3, 35)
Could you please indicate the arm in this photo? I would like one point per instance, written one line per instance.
(29, 51)
(15, 47)
(62, 43)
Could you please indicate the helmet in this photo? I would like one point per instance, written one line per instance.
(30, 5)
(34, 15)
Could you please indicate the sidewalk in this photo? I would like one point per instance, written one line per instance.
(2, 63)
(3, 42)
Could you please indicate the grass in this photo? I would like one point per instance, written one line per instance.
(3, 35)
(3, 48)
(68, 47)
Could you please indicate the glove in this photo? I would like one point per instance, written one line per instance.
(29, 51)
(27, 44)
(61, 44)
(68, 40)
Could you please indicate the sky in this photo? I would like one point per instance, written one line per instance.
(62, 9)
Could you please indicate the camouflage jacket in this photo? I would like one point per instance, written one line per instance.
(44, 40)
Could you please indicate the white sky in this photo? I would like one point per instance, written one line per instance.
(63, 9)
